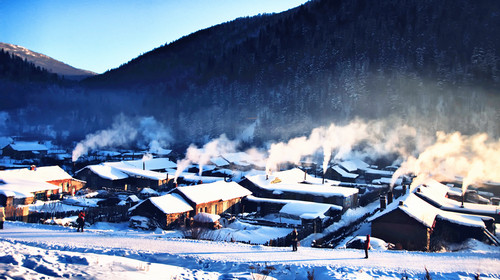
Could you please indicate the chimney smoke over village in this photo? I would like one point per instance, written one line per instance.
(358, 139)
(471, 159)
(202, 156)
(144, 132)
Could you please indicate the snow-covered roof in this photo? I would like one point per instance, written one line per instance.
(436, 192)
(132, 171)
(107, 172)
(383, 173)
(7, 193)
(291, 181)
(4, 141)
(308, 210)
(133, 198)
(194, 177)
(148, 191)
(150, 164)
(419, 210)
(245, 159)
(425, 213)
(462, 219)
(219, 161)
(353, 166)
(108, 153)
(344, 173)
(42, 174)
(220, 190)
(124, 169)
(161, 151)
(171, 203)
(28, 146)
(387, 181)
(359, 163)
(21, 188)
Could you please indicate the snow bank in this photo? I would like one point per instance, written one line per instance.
(206, 218)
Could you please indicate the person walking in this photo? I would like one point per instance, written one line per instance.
(295, 240)
(80, 221)
(2, 216)
(367, 245)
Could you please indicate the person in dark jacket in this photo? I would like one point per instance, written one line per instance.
(295, 240)
(367, 245)
(80, 221)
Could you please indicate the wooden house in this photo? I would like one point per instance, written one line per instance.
(295, 184)
(166, 211)
(129, 176)
(404, 228)
(295, 209)
(25, 150)
(214, 198)
(440, 196)
(54, 175)
(338, 173)
(414, 224)
(15, 191)
(103, 177)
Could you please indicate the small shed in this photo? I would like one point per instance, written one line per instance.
(167, 211)
(132, 200)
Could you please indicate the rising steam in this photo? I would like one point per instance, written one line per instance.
(202, 156)
(473, 158)
(145, 132)
(358, 139)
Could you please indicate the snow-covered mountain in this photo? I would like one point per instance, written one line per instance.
(52, 65)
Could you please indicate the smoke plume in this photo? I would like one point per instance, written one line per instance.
(125, 131)
(473, 159)
(202, 156)
(358, 139)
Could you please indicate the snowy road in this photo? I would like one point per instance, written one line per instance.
(223, 257)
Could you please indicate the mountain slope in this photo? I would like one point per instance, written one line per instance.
(428, 64)
(46, 62)
(436, 63)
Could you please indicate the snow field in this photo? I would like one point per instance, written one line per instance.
(32, 251)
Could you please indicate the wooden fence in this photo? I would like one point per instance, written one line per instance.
(92, 214)
(15, 213)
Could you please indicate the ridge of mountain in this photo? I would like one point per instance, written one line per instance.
(432, 65)
(50, 64)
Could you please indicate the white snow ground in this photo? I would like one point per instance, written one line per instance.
(110, 251)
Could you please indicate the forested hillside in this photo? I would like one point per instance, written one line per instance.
(430, 64)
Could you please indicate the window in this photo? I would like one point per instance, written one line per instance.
(215, 209)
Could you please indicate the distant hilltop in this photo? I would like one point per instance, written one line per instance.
(50, 64)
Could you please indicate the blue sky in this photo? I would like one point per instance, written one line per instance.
(100, 35)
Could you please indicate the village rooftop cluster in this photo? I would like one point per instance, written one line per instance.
(39, 183)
